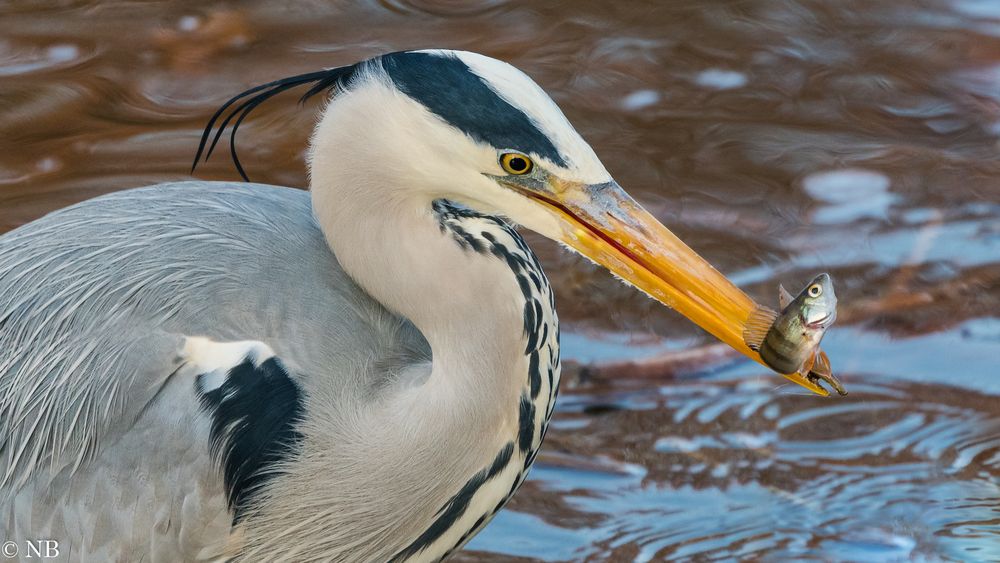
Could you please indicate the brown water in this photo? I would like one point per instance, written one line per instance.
(778, 138)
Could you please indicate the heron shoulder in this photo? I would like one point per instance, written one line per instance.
(95, 298)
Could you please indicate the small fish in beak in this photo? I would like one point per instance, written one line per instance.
(788, 342)
(603, 223)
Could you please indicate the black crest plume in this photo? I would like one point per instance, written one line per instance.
(250, 99)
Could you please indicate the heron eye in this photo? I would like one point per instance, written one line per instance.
(516, 164)
(815, 290)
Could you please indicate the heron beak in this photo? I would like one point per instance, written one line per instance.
(606, 225)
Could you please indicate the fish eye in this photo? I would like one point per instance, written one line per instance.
(815, 290)
(516, 164)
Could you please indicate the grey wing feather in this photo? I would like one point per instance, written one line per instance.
(60, 401)
(95, 298)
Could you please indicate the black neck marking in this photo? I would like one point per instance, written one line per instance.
(456, 506)
(502, 242)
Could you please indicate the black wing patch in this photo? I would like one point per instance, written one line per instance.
(255, 415)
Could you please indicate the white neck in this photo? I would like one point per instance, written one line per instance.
(467, 305)
(373, 199)
(472, 423)
(432, 436)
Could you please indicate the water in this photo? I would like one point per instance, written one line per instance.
(777, 138)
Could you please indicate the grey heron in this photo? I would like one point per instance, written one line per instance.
(362, 372)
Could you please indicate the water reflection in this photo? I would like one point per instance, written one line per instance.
(779, 138)
(724, 471)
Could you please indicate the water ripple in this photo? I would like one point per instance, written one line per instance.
(25, 59)
(897, 474)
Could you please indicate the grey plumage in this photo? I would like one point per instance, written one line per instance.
(95, 301)
(91, 355)
(151, 258)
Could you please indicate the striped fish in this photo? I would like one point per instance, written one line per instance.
(788, 342)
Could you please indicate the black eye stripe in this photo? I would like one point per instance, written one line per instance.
(449, 88)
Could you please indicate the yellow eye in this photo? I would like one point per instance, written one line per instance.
(815, 290)
(516, 164)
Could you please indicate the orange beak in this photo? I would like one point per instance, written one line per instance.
(607, 226)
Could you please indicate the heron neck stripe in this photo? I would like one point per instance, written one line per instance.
(491, 237)
(456, 506)
(534, 377)
(526, 433)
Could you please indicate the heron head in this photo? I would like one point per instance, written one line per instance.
(465, 127)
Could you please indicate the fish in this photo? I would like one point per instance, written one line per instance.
(788, 342)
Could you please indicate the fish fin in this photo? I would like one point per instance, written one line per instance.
(821, 363)
(821, 371)
(784, 298)
(757, 326)
(808, 365)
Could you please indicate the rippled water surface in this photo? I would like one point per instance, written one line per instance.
(778, 138)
